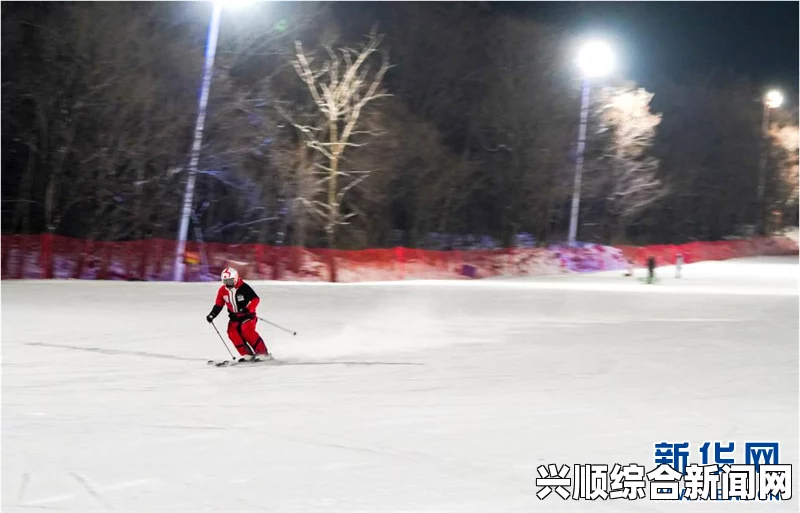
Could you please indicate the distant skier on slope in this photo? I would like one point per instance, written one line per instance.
(651, 269)
(242, 302)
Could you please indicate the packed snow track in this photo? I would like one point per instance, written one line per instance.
(408, 396)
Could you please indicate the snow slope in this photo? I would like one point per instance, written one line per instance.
(402, 396)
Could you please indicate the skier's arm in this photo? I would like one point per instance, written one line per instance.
(253, 304)
(216, 309)
(251, 297)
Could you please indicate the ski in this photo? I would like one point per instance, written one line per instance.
(231, 363)
(221, 363)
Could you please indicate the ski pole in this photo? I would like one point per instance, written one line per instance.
(222, 340)
(278, 326)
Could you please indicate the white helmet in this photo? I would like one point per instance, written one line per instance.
(229, 277)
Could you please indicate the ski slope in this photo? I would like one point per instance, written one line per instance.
(406, 396)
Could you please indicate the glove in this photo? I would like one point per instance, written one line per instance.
(215, 310)
(245, 314)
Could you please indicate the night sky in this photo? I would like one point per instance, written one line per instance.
(755, 39)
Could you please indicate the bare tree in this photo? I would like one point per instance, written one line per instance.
(247, 155)
(105, 129)
(340, 87)
(527, 120)
(410, 175)
(295, 163)
(708, 146)
(632, 183)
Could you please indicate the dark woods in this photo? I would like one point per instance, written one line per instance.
(358, 125)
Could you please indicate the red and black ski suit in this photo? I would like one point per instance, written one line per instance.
(242, 302)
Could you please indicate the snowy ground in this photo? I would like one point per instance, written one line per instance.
(409, 396)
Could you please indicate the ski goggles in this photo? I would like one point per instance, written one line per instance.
(229, 282)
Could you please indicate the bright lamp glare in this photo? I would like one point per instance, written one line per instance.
(595, 59)
(774, 99)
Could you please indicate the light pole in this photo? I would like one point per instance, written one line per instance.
(772, 100)
(595, 59)
(208, 67)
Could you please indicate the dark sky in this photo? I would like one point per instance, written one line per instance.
(756, 39)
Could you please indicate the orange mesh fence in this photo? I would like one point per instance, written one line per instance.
(51, 256)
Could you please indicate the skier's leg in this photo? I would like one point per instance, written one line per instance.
(235, 334)
(250, 334)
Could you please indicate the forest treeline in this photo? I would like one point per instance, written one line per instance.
(416, 124)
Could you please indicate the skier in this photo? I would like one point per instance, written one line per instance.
(678, 265)
(242, 302)
(651, 268)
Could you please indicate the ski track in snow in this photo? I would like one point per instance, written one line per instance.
(397, 396)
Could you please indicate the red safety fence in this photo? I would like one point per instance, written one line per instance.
(716, 250)
(50, 256)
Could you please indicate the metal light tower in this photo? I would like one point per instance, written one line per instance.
(595, 59)
(208, 67)
(772, 100)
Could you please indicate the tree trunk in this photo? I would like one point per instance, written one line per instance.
(332, 202)
(49, 198)
(299, 227)
(22, 210)
(333, 214)
(332, 186)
